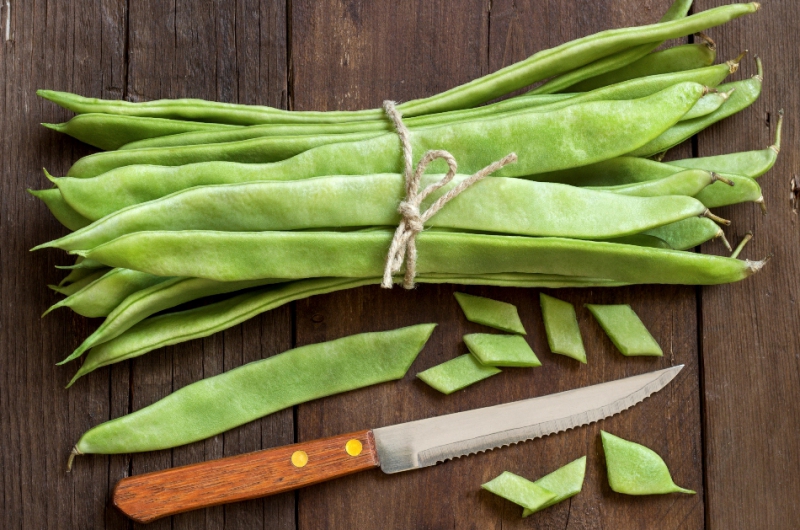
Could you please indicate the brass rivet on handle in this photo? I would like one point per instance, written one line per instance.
(299, 458)
(353, 447)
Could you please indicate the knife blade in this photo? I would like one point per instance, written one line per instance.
(394, 448)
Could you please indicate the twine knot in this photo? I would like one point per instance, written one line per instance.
(412, 222)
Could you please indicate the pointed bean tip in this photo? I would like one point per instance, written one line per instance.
(53, 126)
(725, 241)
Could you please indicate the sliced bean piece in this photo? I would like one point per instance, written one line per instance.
(634, 469)
(499, 205)
(689, 233)
(745, 94)
(501, 350)
(565, 482)
(751, 164)
(234, 256)
(166, 294)
(625, 329)
(457, 374)
(688, 183)
(62, 211)
(561, 326)
(77, 285)
(541, 65)
(111, 131)
(100, 297)
(220, 403)
(521, 491)
(173, 328)
(675, 59)
(537, 138)
(679, 9)
(492, 313)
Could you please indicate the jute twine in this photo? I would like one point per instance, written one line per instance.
(412, 222)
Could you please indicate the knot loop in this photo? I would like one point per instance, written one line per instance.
(404, 246)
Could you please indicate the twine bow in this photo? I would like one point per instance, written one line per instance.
(404, 246)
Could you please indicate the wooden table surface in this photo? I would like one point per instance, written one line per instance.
(727, 426)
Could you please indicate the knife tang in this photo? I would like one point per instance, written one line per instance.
(151, 496)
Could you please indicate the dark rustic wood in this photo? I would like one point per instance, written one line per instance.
(145, 498)
(750, 343)
(738, 450)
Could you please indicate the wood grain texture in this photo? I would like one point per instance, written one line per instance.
(151, 496)
(750, 344)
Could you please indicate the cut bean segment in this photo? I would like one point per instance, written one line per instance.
(565, 482)
(501, 350)
(634, 469)
(561, 325)
(520, 491)
(457, 374)
(625, 330)
(492, 313)
(216, 404)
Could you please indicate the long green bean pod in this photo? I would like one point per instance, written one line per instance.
(216, 404)
(62, 211)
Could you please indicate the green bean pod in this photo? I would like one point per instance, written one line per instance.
(173, 328)
(751, 164)
(79, 284)
(541, 65)
(688, 183)
(744, 189)
(545, 141)
(689, 233)
(675, 59)
(216, 404)
(77, 273)
(745, 94)
(111, 131)
(62, 211)
(100, 297)
(707, 104)
(234, 256)
(499, 205)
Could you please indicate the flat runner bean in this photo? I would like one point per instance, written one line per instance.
(220, 403)
(689, 233)
(77, 285)
(62, 211)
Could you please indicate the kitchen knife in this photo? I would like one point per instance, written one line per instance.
(395, 448)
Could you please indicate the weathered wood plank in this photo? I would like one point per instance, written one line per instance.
(750, 344)
(224, 52)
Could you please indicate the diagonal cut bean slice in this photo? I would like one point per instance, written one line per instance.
(561, 325)
(625, 330)
(501, 350)
(492, 313)
(565, 482)
(457, 374)
(518, 490)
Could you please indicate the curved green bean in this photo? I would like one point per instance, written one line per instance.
(234, 256)
(100, 297)
(675, 59)
(112, 131)
(62, 211)
(751, 164)
(545, 141)
(498, 204)
(707, 104)
(541, 65)
(689, 183)
(217, 404)
(689, 233)
(744, 189)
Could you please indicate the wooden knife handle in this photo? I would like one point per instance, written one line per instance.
(147, 497)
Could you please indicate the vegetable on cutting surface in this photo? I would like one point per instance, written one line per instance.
(634, 469)
(561, 326)
(216, 404)
(457, 374)
(518, 490)
(501, 350)
(625, 329)
(565, 482)
(492, 313)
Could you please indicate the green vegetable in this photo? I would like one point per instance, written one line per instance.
(77, 285)
(216, 404)
(457, 374)
(634, 469)
(625, 330)
(62, 211)
(492, 313)
(518, 490)
(561, 325)
(501, 350)
(565, 482)
(689, 233)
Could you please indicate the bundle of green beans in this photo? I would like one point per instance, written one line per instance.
(196, 199)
